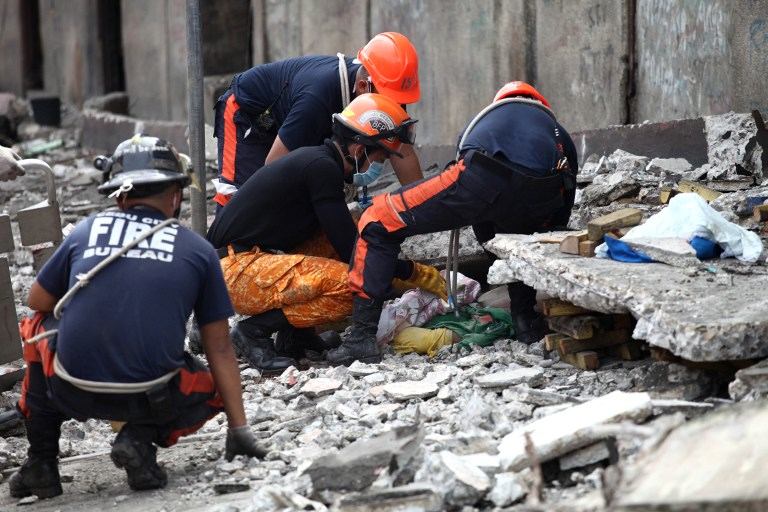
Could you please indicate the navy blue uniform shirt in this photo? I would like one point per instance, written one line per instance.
(128, 324)
(524, 135)
(306, 92)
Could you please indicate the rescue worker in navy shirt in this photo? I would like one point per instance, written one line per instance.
(119, 352)
(278, 107)
(515, 174)
(286, 237)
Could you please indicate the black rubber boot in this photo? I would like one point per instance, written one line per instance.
(531, 327)
(252, 340)
(360, 345)
(305, 343)
(37, 476)
(139, 459)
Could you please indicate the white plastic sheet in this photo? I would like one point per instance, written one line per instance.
(687, 216)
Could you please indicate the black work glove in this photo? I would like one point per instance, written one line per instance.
(240, 441)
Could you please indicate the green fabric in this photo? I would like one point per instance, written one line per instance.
(471, 330)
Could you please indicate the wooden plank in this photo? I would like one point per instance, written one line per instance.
(577, 327)
(587, 248)
(557, 307)
(760, 213)
(629, 351)
(623, 218)
(586, 360)
(616, 321)
(570, 244)
(665, 194)
(707, 193)
(551, 340)
(569, 345)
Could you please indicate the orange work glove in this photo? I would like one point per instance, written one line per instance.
(427, 278)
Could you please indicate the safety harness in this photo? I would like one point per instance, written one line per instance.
(82, 281)
(562, 177)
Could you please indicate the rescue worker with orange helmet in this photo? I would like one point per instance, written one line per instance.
(515, 174)
(278, 107)
(285, 239)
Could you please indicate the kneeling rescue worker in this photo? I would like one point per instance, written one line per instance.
(119, 352)
(275, 108)
(515, 174)
(286, 237)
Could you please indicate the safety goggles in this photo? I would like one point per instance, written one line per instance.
(405, 133)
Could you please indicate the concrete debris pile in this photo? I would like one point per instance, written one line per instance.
(732, 179)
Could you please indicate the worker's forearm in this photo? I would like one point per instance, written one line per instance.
(277, 150)
(408, 168)
(226, 375)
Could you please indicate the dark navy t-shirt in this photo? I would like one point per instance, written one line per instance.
(128, 324)
(523, 134)
(306, 92)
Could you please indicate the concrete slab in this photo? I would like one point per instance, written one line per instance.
(155, 57)
(716, 462)
(581, 62)
(682, 138)
(11, 69)
(103, 131)
(10, 343)
(486, 41)
(6, 235)
(72, 49)
(697, 314)
(682, 46)
(575, 427)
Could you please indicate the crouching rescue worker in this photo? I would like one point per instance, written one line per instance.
(515, 174)
(286, 237)
(119, 352)
(272, 109)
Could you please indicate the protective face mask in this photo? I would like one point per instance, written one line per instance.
(363, 179)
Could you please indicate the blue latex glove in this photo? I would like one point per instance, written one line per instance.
(363, 179)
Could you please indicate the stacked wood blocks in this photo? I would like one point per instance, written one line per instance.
(616, 224)
(582, 336)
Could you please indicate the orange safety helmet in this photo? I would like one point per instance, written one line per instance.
(393, 65)
(520, 89)
(375, 120)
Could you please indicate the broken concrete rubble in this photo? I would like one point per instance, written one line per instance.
(689, 313)
(458, 481)
(357, 466)
(572, 428)
(751, 383)
(715, 462)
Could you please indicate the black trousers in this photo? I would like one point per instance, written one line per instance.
(474, 192)
(161, 415)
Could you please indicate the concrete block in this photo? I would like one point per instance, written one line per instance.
(174, 132)
(39, 223)
(72, 49)
(41, 255)
(102, 131)
(11, 65)
(346, 33)
(714, 462)
(700, 58)
(282, 32)
(581, 60)
(484, 42)
(689, 313)
(114, 102)
(155, 58)
(10, 343)
(682, 138)
(572, 428)
(6, 235)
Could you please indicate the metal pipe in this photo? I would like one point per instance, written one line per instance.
(34, 164)
(195, 115)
